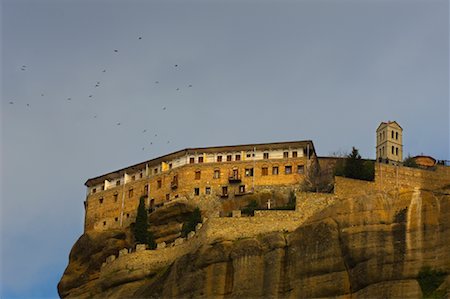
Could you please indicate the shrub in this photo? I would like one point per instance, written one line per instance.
(249, 210)
(194, 218)
(429, 280)
(410, 162)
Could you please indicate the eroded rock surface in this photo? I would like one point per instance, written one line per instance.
(369, 246)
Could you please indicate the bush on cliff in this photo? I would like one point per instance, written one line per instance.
(429, 281)
(140, 230)
(249, 210)
(194, 218)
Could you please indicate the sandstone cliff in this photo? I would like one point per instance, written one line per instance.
(370, 245)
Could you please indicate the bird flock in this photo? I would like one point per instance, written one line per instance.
(97, 85)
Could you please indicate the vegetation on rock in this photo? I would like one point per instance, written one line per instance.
(141, 233)
(194, 218)
(355, 167)
(410, 162)
(429, 281)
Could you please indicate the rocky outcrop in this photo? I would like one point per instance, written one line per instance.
(369, 246)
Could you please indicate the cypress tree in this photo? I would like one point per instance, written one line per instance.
(353, 165)
(141, 226)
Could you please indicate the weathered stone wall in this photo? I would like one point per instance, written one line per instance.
(390, 177)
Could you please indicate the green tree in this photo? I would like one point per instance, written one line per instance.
(410, 162)
(354, 165)
(141, 233)
(191, 223)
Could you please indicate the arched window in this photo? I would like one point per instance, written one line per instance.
(392, 149)
(396, 135)
(396, 151)
(392, 134)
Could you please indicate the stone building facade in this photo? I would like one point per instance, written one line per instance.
(389, 142)
(224, 172)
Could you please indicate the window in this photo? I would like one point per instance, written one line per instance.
(396, 151)
(249, 155)
(249, 172)
(170, 165)
(116, 219)
(380, 135)
(200, 159)
(128, 215)
(104, 223)
(208, 190)
(155, 171)
(285, 154)
(275, 170)
(219, 158)
(288, 169)
(266, 155)
(118, 183)
(191, 160)
(380, 152)
(130, 193)
(141, 175)
(229, 157)
(100, 200)
(133, 177)
(224, 191)
(159, 184)
(300, 169)
(392, 149)
(103, 187)
(242, 189)
(116, 195)
(392, 134)
(167, 196)
(94, 190)
(264, 171)
(197, 174)
(238, 157)
(294, 154)
(216, 173)
(146, 190)
(196, 191)
(396, 135)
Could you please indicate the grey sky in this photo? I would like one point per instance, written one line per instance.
(261, 71)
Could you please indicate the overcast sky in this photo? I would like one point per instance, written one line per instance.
(247, 72)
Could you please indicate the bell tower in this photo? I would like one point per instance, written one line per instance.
(389, 142)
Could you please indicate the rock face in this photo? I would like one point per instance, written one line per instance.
(369, 246)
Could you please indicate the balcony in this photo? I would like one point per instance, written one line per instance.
(234, 177)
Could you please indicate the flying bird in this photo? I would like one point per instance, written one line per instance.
(164, 108)
(176, 65)
(11, 103)
(118, 124)
(190, 85)
(144, 131)
(42, 94)
(28, 105)
(104, 71)
(139, 37)
(156, 82)
(116, 51)
(90, 96)
(178, 89)
(95, 116)
(69, 99)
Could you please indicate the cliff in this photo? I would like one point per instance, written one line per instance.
(372, 244)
